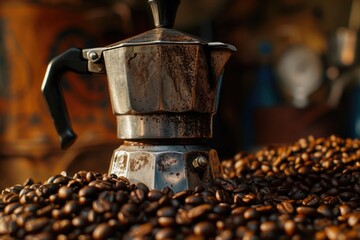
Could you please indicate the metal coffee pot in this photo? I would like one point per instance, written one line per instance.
(164, 87)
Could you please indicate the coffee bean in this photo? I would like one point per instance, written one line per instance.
(194, 200)
(166, 212)
(35, 225)
(325, 210)
(138, 196)
(166, 221)
(88, 192)
(103, 231)
(251, 214)
(285, 207)
(65, 192)
(198, 211)
(165, 233)
(62, 226)
(154, 195)
(206, 229)
(11, 207)
(306, 211)
(290, 228)
(311, 200)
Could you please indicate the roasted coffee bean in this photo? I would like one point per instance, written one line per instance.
(311, 201)
(101, 205)
(307, 190)
(11, 207)
(166, 221)
(285, 207)
(165, 233)
(62, 226)
(325, 210)
(166, 212)
(88, 191)
(35, 225)
(251, 214)
(138, 196)
(154, 195)
(103, 231)
(198, 211)
(306, 211)
(79, 222)
(65, 192)
(206, 229)
(194, 200)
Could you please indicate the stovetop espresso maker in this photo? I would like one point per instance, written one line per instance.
(164, 87)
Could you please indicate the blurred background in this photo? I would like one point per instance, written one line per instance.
(296, 73)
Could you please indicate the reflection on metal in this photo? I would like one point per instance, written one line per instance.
(176, 166)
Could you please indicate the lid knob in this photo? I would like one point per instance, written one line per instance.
(164, 12)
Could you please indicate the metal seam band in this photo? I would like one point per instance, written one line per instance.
(159, 126)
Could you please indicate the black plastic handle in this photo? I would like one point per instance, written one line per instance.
(71, 60)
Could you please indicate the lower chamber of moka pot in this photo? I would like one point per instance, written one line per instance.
(179, 167)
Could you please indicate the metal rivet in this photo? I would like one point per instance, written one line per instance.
(200, 163)
(93, 56)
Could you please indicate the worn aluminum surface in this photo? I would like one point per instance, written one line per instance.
(160, 126)
(159, 166)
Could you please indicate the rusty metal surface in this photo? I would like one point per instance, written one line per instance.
(161, 166)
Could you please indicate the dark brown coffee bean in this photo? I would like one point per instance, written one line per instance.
(88, 192)
(251, 214)
(143, 187)
(194, 200)
(206, 229)
(311, 201)
(45, 211)
(101, 206)
(10, 197)
(94, 216)
(285, 207)
(166, 212)
(165, 233)
(182, 218)
(35, 225)
(198, 211)
(11, 207)
(306, 211)
(166, 221)
(290, 228)
(71, 207)
(325, 210)
(137, 196)
(222, 196)
(269, 226)
(62, 226)
(24, 217)
(79, 222)
(168, 191)
(103, 231)
(222, 209)
(154, 195)
(65, 192)
(40, 236)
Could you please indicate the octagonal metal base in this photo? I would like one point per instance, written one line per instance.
(179, 167)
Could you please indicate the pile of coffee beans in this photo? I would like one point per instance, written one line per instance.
(309, 189)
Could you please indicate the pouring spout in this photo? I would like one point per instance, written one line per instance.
(220, 55)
